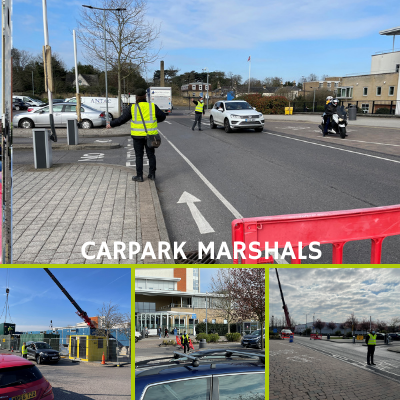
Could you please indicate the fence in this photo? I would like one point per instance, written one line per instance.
(381, 107)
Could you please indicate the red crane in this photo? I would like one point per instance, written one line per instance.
(79, 311)
(285, 309)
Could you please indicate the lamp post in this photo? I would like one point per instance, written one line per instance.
(306, 324)
(105, 47)
(206, 314)
(206, 70)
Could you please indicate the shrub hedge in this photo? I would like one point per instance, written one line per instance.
(266, 104)
(233, 337)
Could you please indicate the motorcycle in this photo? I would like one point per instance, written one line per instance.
(338, 122)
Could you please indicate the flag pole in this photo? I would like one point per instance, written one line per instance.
(249, 72)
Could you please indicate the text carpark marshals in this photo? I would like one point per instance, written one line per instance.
(119, 250)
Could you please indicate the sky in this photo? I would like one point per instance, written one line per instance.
(34, 299)
(205, 278)
(332, 294)
(288, 39)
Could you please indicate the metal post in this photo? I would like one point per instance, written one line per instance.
(33, 86)
(117, 346)
(313, 104)
(206, 315)
(46, 43)
(105, 64)
(207, 89)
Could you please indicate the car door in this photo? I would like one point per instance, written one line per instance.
(31, 351)
(69, 112)
(218, 114)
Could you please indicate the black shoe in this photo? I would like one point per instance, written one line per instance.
(324, 134)
(320, 127)
(373, 364)
(368, 364)
(137, 178)
(152, 177)
(200, 129)
(192, 129)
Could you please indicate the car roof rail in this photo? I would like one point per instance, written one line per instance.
(195, 360)
(260, 356)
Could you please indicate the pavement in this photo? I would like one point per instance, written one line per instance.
(297, 372)
(56, 211)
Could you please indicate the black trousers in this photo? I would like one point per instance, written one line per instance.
(370, 354)
(139, 145)
(25, 356)
(197, 120)
(185, 345)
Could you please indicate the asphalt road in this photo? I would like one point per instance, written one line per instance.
(248, 174)
(387, 362)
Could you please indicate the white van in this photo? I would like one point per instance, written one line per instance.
(30, 101)
(99, 103)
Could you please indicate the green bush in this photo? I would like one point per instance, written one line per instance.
(233, 337)
(338, 333)
(169, 342)
(382, 111)
(201, 336)
(214, 337)
(266, 104)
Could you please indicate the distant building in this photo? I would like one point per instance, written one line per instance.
(302, 327)
(85, 80)
(195, 89)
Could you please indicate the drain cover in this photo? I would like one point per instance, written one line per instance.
(192, 257)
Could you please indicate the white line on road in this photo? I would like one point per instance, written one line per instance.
(332, 147)
(224, 201)
(202, 224)
(170, 123)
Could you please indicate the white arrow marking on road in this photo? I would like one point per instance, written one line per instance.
(103, 141)
(202, 224)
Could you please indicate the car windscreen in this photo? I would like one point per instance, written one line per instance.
(14, 376)
(238, 105)
(42, 346)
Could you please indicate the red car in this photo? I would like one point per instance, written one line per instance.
(20, 379)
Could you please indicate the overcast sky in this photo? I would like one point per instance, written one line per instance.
(332, 294)
(288, 38)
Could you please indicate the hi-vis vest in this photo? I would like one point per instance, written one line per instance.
(24, 350)
(371, 340)
(183, 338)
(199, 107)
(149, 116)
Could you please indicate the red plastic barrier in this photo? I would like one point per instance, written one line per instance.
(285, 335)
(315, 336)
(178, 341)
(335, 227)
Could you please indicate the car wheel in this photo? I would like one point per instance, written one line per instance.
(86, 124)
(110, 117)
(17, 108)
(212, 125)
(26, 123)
(258, 129)
(227, 126)
(38, 360)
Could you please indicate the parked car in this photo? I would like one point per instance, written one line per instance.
(394, 336)
(61, 113)
(236, 114)
(206, 374)
(99, 103)
(138, 336)
(58, 101)
(253, 339)
(29, 101)
(380, 336)
(21, 379)
(18, 104)
(42, 352)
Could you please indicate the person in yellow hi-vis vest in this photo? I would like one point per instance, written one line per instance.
(151, 116)
(185, 342)
(198, 113)
(24, 351)
(371, 344)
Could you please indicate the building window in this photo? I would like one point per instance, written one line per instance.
(345, 92)
(213, 321)
(321, 84)
(397, 67)
(145, 307)
(200, 87)
(196, 279)
(365, 108)
(365, 91)
(193, 87)
(336, 84)
(329, 84)
(391, 90)
(206, 87)
(378, 90)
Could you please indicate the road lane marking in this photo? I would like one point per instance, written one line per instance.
(92, 157)
(332, 147)
(170, 123)
(219, 195)
(201, 222)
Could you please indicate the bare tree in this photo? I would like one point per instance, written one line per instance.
(351, 322)
(364, 325)
(394, 324)
(331, 325)
(318, 324)
(272, 81)
(312, 78)
(131, 39)
(224, 304)
(381, 325)
(247, 290)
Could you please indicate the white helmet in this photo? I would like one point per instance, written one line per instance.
(330, 98)
(335, 102)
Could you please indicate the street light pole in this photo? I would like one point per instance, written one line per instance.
(206, 314)
(206, 69)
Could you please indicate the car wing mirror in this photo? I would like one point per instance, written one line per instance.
(220, 109)
(254, 108)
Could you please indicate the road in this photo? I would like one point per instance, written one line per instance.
(286, 169)
(387, 362)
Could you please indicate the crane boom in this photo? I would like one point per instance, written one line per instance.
(285, 309)
(80, 312)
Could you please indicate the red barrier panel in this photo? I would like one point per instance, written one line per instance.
(315, 336)
(178, 341)
(335, 227)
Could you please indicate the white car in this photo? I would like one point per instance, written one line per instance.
(138, 336)
(236, 114)
(29, 101)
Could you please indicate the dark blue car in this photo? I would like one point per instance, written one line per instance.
(203, 375)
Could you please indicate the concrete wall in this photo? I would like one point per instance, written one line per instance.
(383, 63)
(155, 272)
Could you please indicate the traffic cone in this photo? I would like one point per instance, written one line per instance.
(103, 359)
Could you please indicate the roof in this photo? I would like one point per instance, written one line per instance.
(10, 360)
(92, 80)
(391, 32)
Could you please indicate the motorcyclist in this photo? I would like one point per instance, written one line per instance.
(330, 109)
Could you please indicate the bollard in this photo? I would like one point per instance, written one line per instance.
(328, 336)
(203, 344)
(72, 132)
(291, 339)
(354, 339)
(42, 150)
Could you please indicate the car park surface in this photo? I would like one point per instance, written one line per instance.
(20, 379)
(61, 113)
(236, 114)
(209, 374)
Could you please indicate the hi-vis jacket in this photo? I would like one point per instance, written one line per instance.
(149, 119)
(199, 107)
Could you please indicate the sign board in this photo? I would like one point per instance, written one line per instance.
(161, 92)
(275, 330)
(360, 337)
(194, 316)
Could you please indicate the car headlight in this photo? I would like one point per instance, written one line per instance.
(235, 116)
(260, 115)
